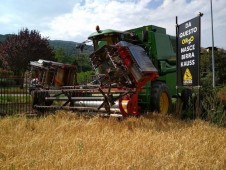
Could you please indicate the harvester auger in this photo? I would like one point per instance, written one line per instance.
(123, 69)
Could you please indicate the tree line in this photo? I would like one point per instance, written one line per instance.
(206, 67)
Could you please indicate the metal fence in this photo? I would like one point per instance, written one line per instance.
(14, 96)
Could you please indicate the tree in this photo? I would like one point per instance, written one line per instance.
(18, 50)
(62, 57)
(3, 62)
(206, 67)
(220, 66)
(83, 62)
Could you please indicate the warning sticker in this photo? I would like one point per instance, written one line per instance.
(187, 79)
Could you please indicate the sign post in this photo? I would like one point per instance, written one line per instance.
(188, 52)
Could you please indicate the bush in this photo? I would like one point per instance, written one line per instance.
(213, 108)
(5, 73)
(84, 77)
(4, 82)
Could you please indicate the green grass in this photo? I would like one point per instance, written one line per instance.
(13, 90)
(15, 99)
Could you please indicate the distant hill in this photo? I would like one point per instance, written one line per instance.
(68, 46)
(3, 37)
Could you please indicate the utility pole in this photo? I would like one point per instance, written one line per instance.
(213, 59)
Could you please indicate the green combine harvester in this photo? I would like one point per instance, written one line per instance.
(135, 70)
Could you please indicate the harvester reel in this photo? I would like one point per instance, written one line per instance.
(123, 66)
(113, 73)
(108, 62)
(109, 99)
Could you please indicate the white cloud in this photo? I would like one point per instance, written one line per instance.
(5, 19)
(108, 14)
(75, 20)
(122, 15)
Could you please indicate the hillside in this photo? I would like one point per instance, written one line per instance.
(67, 141)
(68, 46)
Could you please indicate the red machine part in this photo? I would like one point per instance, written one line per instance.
(128, 105)
(125, 55)
(128, 62)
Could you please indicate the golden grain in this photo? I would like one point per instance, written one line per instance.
(68, 141)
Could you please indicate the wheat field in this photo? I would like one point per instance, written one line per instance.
(68, 141)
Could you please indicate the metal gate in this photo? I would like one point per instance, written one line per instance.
(14, 96)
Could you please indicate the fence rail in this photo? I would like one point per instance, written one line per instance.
(14, 96)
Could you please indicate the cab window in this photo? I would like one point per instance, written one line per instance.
(105, 40)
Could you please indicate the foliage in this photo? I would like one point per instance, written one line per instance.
(5, 72)
(14, 99)
(62, 57)
(3, 37)
(67, 51)
(206, 68)
(220, 66)
(19, 50)
(84, 77)
(80, 60)
(3, 62)
(69, 47)
(213, 108)
(83, 62)
(4, 82)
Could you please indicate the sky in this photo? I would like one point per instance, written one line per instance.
(75, 20)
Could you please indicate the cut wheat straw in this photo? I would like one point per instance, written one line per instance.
(67, 141)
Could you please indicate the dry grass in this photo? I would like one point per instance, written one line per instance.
(66, 141)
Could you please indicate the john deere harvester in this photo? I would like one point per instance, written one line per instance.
(135, 70)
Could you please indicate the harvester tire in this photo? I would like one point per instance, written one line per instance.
(161, 101)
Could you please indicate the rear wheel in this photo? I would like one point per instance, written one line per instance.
(160, 98)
